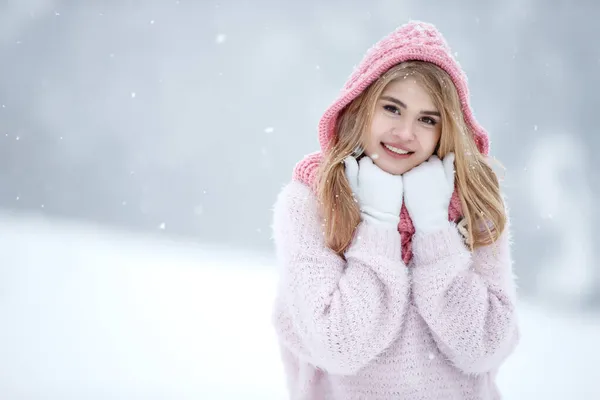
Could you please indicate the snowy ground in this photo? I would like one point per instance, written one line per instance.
(94, 314)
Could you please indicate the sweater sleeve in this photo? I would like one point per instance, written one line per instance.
(333, 313)
(467, 299)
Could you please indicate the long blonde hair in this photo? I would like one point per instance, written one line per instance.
(477, 184)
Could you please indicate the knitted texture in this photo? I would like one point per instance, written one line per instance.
(368, 327)
(413, 41)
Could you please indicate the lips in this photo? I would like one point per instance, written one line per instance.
(396, 149)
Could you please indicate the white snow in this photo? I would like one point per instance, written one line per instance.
(96, 314)
(557, 357)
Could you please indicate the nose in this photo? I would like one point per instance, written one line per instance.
(404, 131)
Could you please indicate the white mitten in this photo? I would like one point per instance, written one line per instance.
(427, 192)
(379, 194)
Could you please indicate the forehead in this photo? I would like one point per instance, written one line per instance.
(408, 89)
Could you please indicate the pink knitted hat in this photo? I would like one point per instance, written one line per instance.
(413, 41)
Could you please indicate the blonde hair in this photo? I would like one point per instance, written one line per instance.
(477, 184)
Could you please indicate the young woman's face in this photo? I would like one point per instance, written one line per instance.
(406, 127)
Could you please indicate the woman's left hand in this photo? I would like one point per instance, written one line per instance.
(428, 189)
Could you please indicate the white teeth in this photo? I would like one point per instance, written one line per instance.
(395, 150)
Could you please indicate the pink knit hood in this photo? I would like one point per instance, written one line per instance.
(413, 41)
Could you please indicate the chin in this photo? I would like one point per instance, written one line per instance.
(394, 167)
(394, 163)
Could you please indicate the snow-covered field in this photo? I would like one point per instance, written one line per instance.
(88, 313)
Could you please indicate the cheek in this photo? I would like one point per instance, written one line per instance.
(378, 127)
(429, 140)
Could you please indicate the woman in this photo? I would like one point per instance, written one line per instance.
(396, 275)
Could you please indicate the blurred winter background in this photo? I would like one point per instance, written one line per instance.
(142, 144)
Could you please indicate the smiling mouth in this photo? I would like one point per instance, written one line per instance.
(397, 151)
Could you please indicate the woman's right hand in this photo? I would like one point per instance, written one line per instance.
(378, 193)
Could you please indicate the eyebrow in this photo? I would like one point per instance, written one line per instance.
(401, 104)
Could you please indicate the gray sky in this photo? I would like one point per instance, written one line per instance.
(185, 118)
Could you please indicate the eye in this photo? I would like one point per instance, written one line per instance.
(429, 121)
(392, 109)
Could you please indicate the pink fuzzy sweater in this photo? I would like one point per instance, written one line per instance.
(371, 328)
